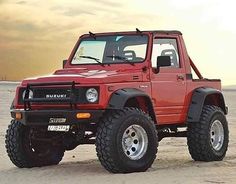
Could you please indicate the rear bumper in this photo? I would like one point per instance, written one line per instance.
(55, 117)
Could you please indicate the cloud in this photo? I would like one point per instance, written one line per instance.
(21, 2)
(89, 7)
(107, 3)
(37, 36)
(72, 11)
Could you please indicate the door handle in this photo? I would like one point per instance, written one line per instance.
(180, 77)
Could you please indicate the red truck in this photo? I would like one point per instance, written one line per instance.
(123, 92)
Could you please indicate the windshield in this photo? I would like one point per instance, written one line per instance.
(111, 49)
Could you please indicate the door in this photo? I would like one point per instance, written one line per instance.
(168, 83)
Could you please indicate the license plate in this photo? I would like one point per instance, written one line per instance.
(57, 120)
(59, 128)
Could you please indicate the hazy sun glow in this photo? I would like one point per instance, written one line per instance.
(35, 36)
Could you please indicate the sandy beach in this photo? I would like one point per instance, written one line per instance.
(173, 163)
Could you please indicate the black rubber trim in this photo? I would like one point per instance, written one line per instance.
(41, 117)
(189, 76)
(198, 99)
(120, 97)
(166, 32)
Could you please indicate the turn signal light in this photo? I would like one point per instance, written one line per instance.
(18, 115)
(84, 115)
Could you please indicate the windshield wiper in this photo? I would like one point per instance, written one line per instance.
(121, 58)
(95, 59)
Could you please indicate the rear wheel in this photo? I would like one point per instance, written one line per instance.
(126, 141)
(208, 139)
(24, 151)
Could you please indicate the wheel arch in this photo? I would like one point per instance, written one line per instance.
(205, 96)
(131, 97)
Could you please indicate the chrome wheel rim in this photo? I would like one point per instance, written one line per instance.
(217, 135)
(134, 142)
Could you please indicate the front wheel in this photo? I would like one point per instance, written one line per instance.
(126, 141)
(24, 151)
(208, 139)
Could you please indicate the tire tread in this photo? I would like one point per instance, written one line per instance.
(104, 135)
(197, 136)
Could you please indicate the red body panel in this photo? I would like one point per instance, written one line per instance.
(170, 95)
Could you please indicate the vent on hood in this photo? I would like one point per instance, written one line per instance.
(135, 77)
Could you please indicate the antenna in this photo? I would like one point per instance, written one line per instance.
(138, 31)
(92, 35)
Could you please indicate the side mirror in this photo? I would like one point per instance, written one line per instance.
(64, 63)
(163, 61)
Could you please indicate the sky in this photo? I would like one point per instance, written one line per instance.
(35, 36)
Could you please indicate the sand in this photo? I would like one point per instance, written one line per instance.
(173, 163)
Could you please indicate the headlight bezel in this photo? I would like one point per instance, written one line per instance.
(92, 91)
(31, 94)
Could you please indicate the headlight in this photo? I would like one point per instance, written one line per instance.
(92, 95)
(30, 94)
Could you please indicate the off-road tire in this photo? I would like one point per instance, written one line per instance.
(15, 147)
(109, 136)
(198, 135)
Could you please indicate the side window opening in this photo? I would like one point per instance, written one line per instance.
(165, 47)
(135, 52)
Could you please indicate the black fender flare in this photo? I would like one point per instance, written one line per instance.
(198, 98)
(12, 105)
(119, 98)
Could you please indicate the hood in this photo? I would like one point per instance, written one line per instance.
(84, 76)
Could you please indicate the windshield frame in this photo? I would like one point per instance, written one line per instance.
(108, 63)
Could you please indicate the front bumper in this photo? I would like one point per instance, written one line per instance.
(45, 117)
